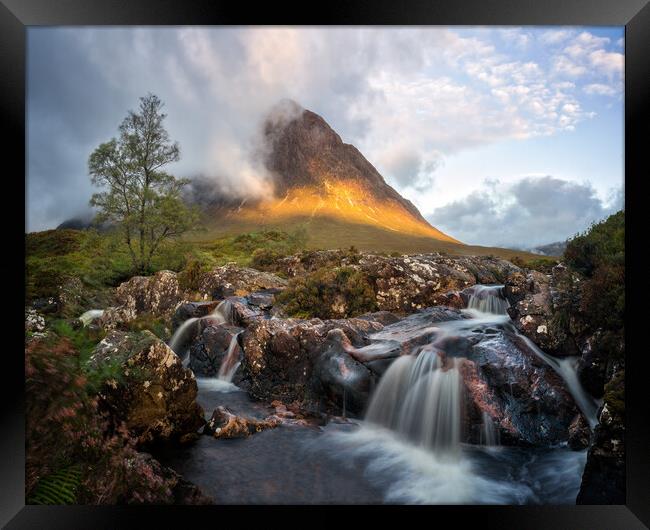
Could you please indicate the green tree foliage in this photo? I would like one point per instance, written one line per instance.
(139, 197)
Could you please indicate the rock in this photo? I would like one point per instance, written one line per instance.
(187, 310)
(263, 299)
(225, 424)
(579, 433)
(157, 295)
(180, 491)
(157, 396)
(280, 355)
(208, 351)
(45, 305)
(344, 381)
(603, 479)
(231, 280)
(34, 321)
(533, 300)
(405, 284)
(525, 398)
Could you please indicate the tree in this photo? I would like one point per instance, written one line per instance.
(139, 197)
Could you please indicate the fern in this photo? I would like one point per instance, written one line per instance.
(58, 488)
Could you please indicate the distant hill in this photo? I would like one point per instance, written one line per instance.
(552, 249)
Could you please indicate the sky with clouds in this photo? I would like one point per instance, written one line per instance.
(500, 136)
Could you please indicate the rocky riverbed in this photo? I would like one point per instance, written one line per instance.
(256, 407)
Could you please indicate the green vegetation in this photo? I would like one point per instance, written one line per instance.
(602, 245)
(58, 488)
(599, 254)
(339, 292)
(75, 453)
(141, 200)
(538, 263)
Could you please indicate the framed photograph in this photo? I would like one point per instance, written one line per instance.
(386, 258)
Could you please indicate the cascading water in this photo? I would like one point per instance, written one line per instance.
(231, 361)
(489, 433)
(421, 400)
(223, 313)
(91, 315)
(488, 299)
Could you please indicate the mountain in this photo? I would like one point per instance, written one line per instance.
(316, 176)
(551, 249)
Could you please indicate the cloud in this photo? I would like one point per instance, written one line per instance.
(531, 211)
(600, 89)
(408, 98)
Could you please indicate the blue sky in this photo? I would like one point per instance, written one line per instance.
(501, 136)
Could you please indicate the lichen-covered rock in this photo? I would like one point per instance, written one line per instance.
(225, 424)
(536, 301)
(231, 280)
(156, 397)
(158, 295)
(70, 295)
(34, 321)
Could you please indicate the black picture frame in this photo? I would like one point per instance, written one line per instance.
(16, 15)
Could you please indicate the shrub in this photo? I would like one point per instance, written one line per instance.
(266, 258)
(340, 292)
(601, 244)
(74, 453)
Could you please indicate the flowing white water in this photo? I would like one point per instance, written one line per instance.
(489, 433)
(488, 299)
(231, 360)
(567, 369)
(222, 314)
(91, 315)
(412, 427)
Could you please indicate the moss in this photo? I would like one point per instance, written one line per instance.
(341, 292)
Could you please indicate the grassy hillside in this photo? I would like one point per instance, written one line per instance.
(329, 233)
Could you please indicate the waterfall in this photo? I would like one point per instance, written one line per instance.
(488, 299)
(567, 369)
(230, 361)
(489, 433)
(223, 313)
(180, 335)
(91, 315)
(421, 400)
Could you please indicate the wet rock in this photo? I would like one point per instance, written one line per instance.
(603, 479)
(156, 396)
(383, 317)
(579, 433)
(208, 351)
(225, 424)
(524, 396)
(45, 305)
(339, 377)
(279, 355)
(231, 280)
(187, 310)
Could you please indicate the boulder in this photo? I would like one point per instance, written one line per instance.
(231, 280)
(34, 321)
(280, 355)
(339, 377)
(154, 395)
(187, 310)
(225, 424)
(534, 300)
(158, 295)
(209, 349)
